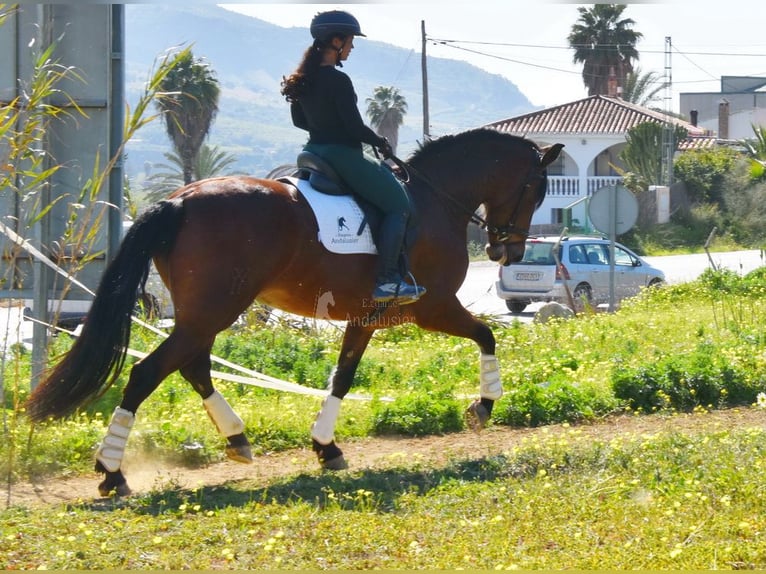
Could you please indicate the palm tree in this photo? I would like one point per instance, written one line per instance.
(189, 103)
(210, 161)
(605, 45)
(386, 110)
(642, 89)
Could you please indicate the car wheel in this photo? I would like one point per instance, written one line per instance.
(655, 283)
(583, 297)
(515, 306)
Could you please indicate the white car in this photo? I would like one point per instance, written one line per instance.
(584, 270)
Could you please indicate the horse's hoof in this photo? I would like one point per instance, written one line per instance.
(241, 453)
(330, 456)
(114, 485)
(337, 463)
(476, 416)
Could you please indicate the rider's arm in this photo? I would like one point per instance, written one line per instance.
(345, 103)
(299, 118)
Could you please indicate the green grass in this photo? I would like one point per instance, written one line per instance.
(564, 499)
(559, 500)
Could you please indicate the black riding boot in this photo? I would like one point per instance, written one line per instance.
(389, 285)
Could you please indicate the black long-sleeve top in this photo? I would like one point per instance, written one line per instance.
(329, 113)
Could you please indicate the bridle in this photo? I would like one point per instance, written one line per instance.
(502, 233)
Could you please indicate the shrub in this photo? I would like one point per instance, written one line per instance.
(532, 404)
(418, 415)
(681, 382)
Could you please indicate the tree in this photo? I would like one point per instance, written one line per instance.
(704, 172)
(605, 45)
(189, 103)
(210, 161)
(643, 153)
(756, 149)
(642, 89)
(386, 110)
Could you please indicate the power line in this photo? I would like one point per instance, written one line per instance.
(454, 45)
(569, 47)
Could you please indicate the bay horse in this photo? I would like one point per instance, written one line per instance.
(221, 243)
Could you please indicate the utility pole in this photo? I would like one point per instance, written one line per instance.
(424, 69)
(668, 145)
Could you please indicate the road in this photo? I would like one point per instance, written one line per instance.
(478, 290)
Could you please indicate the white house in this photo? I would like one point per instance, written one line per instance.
(593, 131)
(733, 111)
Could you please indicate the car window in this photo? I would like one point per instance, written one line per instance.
(577, 254)
(538, 252)
(622, 257)
(597, 254)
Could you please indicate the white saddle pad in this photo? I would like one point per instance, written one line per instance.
(339, 219)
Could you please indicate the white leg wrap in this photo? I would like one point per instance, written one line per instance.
(323, 430)
(223, 416)
(112, 448)
(490, 385)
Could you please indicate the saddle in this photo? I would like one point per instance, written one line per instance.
(323, 178)
(321, 175)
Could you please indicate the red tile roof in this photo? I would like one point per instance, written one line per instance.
(592, 115)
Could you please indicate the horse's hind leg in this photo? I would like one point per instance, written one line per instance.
(145, 376)
(355, 341)
(228, 423)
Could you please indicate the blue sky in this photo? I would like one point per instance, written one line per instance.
(526, 41)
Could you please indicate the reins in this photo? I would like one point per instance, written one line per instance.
(502, 232)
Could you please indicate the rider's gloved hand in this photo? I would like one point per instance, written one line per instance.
(385, 149)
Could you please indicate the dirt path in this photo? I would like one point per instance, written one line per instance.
(145, 474)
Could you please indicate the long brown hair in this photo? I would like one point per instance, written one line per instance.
(296, 84)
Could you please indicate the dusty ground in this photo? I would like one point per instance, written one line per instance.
(145, 474)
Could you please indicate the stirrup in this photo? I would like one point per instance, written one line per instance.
(398, 292)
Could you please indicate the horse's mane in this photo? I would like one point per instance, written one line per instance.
(467, 138)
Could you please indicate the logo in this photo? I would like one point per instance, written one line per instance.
(342, 224)
(325, 300)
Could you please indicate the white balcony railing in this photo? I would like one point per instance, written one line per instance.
(569, 185)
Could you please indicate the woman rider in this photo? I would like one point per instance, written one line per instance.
(324, 103)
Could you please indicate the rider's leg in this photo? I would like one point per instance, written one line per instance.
(375, 182)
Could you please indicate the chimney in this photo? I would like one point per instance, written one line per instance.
(693, 114)
(723, 120)
(611, 84)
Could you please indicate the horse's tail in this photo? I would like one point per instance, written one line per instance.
(97, 356)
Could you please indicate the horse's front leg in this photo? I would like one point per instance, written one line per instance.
(453, 319)
(355, 341)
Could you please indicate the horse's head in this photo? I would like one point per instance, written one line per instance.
(509, 216)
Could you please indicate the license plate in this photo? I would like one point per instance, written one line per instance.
(528, 276)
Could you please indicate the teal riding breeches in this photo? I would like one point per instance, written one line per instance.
(367, 176)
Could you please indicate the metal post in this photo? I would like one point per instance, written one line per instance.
(668, 145)
(116, 121)
(41, 232)
(612, 239)
(424, 69)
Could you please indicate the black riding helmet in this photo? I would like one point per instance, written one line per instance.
(335, 22)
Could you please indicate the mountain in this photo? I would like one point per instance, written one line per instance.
(251, 56)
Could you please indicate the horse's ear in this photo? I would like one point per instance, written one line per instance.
(550, 153)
